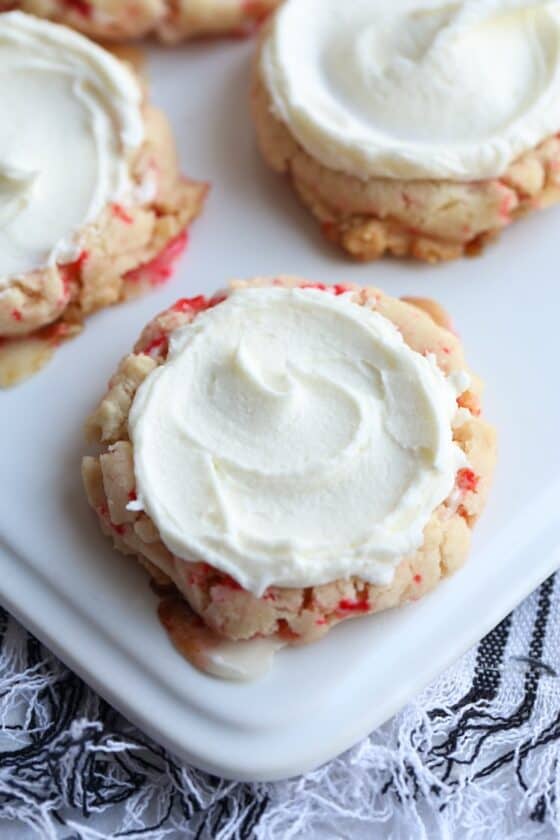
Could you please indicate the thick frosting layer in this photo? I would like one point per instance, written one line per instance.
(70, 119)
(293, 438)
(416, 88)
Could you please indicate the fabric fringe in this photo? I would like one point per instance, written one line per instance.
(484, 764)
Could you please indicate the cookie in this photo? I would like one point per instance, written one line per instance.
(94, 207)
(114, 20)
(296, 614)
(380, 145)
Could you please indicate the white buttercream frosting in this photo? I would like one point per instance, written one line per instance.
(293, 438)
(416, 88)
(71, 116)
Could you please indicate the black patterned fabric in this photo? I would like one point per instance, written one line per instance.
(476, 755)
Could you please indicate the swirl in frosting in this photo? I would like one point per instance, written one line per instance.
(71, 119)
(416, 88)
(293, 438)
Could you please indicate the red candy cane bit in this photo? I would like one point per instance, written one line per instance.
(132, 497)
(81, 7)
(217, 299)
(336, 289)
(231, 583)
(197, 304)
(467, 480)
(347, 605)
(321, 286)
(285, 631)
(57, 332)
(157, 271)
(506, 205)
(16, 315)
(160, 342)
(71, 271)
(119, 211)
(507, 201)
(194, 304)
(417, 578)
(321, 621)
(103, 511)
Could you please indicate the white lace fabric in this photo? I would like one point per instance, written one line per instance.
(475, 756)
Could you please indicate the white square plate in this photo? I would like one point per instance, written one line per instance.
(60, 576)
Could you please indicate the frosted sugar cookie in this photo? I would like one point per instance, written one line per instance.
(416, 128)
(291, 455)
(169, 20)
(92, 204)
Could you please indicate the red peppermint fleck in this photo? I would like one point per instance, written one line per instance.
(16, 315)
(336, 289)
(132, 497)
(81, 7)
(467, 480)
(285, 631)
(160, 341)
(120, 212)
(160, 269)
(348, 605)
(217, 299)
(321, 286)
(197, 304)
(230, 582)
(417, 578)
(71, 271)
(505, 206)
(194, 304)
(103, 511)
(321, 621)
(54, 334)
